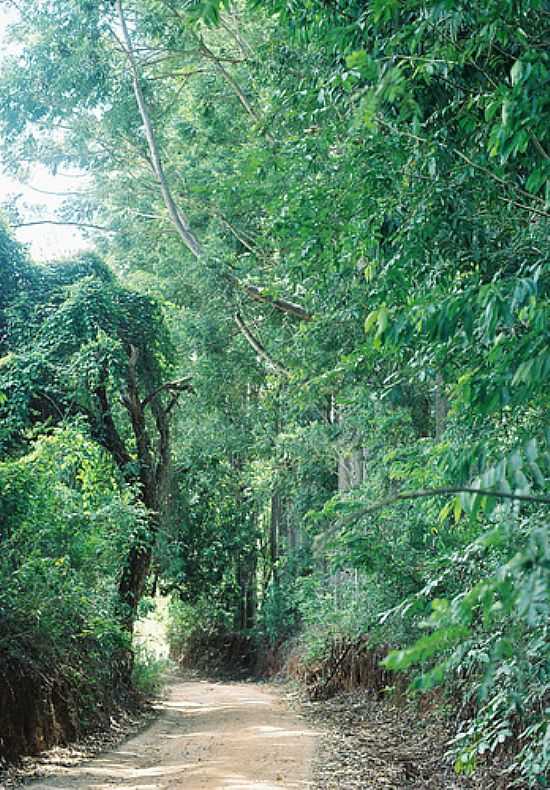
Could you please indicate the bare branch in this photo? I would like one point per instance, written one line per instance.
(181, 73)
(482, 169)
(207, 52)
(538, 145)
(217, 61)
(243, 44)
(178, 217)
(237, 233)
(177, 386)
(256, 293)
(61, 222)
(57, 194)
(503, 182)
(517, 204)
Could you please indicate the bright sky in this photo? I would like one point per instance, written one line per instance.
(45, 241)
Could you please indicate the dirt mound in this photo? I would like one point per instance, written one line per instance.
(219, 654)
(44, 705)
(35, 712)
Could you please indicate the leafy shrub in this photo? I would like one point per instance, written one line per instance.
(187, 622)
(490, 644)
(149, 672)
(66, 524)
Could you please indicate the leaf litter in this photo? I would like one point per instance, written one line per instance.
(376, 744)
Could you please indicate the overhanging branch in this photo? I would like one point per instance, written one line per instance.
(258, 295)
(434, 492)
(62, 222)
(178, 217)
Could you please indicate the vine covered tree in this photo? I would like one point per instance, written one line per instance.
(78, 345)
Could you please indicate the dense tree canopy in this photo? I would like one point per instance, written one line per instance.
(329, 225)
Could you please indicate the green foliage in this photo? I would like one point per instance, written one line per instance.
(69, 335)
(78, 347)
(495, 634)
(345, 609)
(387, 170)
(66, 525)
(148, 672)
(198, 623)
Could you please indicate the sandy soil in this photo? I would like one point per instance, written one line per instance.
(208, 735)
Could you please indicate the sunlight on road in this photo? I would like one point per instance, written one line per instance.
(208, 736)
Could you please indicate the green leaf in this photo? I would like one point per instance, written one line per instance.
(457, 509)
(371, 320)
(516, 72)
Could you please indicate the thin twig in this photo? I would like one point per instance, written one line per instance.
(475, 165)
(499, 180)
(57, 194)
(61, 222)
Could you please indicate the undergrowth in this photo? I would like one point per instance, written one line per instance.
(149, 672)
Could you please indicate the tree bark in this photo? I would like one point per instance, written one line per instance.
(178, 218)
(154, 466)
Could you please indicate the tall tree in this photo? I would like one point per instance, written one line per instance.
(80, 345)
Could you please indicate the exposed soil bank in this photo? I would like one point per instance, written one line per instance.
(34, 715)
(208, 735)
(39, 711)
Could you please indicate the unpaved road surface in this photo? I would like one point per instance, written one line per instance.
(208, 736)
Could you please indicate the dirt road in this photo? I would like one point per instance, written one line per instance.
(207, 736)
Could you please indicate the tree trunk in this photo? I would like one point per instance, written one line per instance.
(274, 537)
(441, 408)
(153, 462)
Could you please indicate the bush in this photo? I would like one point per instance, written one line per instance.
(66, 525)
(149, 672)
